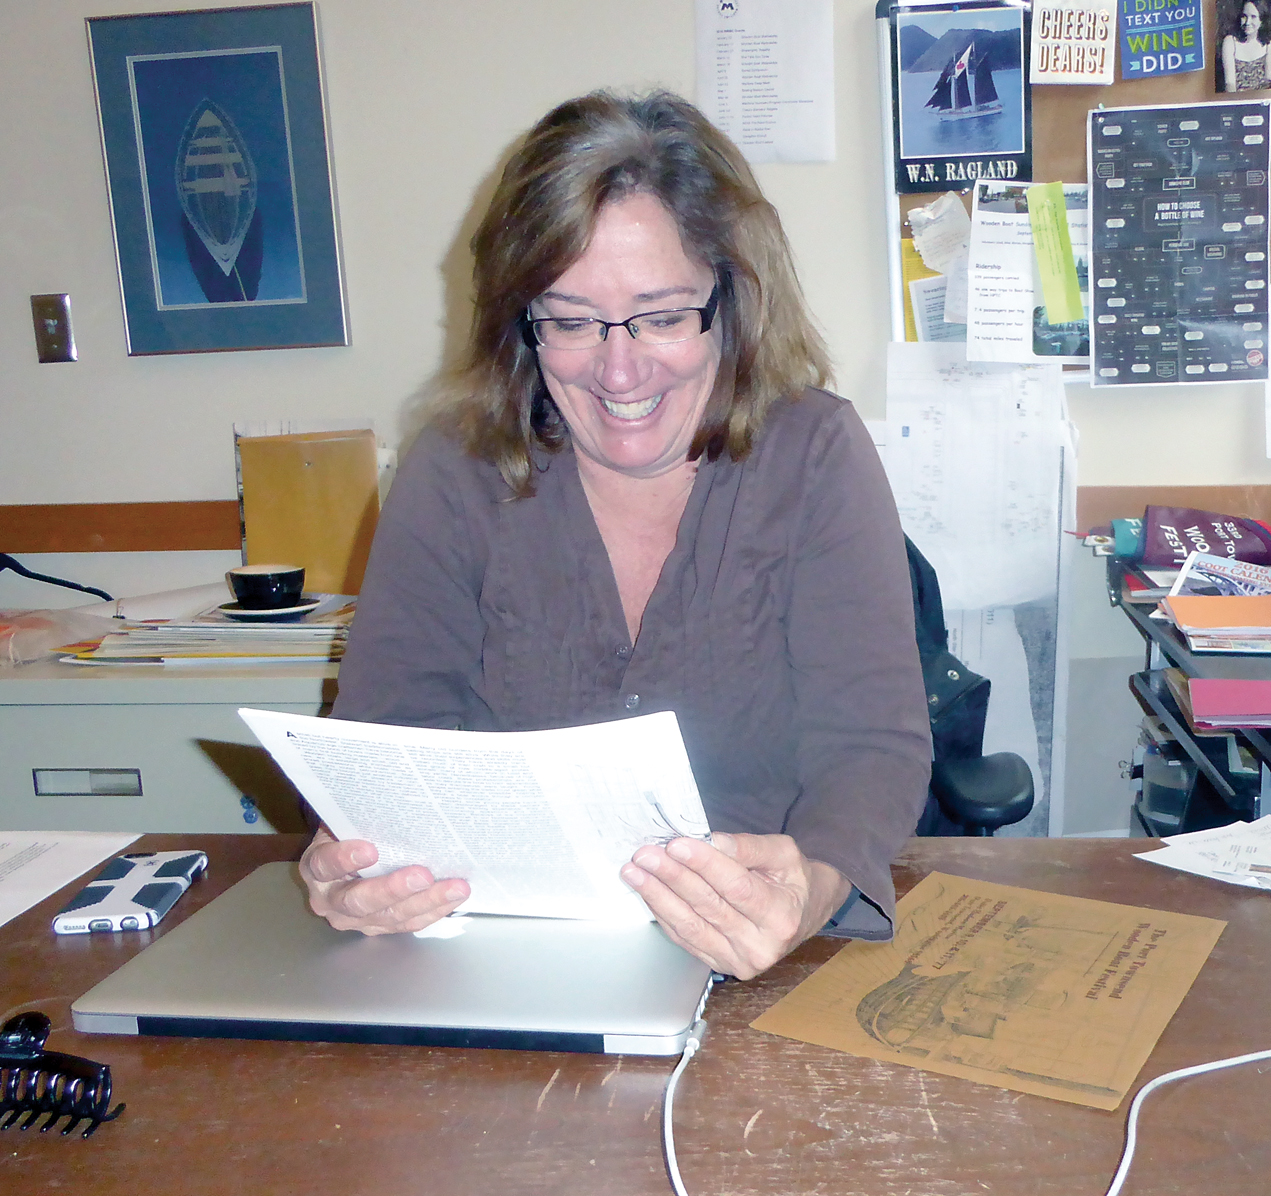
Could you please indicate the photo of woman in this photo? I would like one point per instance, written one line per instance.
(1242, 64)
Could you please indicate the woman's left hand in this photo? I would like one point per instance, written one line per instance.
(739, 904)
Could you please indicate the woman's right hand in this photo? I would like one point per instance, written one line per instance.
(405, 900)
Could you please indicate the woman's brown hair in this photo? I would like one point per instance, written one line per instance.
(582, 155)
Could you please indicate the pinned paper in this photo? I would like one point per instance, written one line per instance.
(942, 232)
(1161, 38)
(930, 316)
(1074, 41)
(1006, 316)
(1048, 215)
(942, 237)
(912, 270)
(765, 76)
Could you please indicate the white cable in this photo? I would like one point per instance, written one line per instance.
(1131, 1122)
(695, 1036)
(698, 1032)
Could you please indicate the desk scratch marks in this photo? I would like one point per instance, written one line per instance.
(609, 1075)
(542, 1096)
(750, 1125)
(926, 1105)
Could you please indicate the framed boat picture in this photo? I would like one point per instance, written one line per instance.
(218, 172)
(960, 98)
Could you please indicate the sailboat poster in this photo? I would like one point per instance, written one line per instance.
(960, 102)
(219, 177)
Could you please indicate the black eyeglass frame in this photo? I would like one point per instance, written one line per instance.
(529, 329)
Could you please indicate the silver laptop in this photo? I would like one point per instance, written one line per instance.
(257, 963)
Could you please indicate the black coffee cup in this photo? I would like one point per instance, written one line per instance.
(267, 587)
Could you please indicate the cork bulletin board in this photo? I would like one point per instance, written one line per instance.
(1059, 113)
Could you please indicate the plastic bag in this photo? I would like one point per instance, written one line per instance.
(27, 635)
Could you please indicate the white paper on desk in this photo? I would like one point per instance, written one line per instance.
(1006, 311)
(1239, 853)
(35, 864)
(765, 75)
(538, 822)
(168, 604)
(976, 460)
(1183, 859)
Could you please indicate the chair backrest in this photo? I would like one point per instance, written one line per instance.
(957, 698)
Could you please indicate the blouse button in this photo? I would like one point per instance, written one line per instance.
(623, 653)
(631, 701)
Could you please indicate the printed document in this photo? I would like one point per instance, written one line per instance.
(1239, 853)
(538, 822)
(35, 864)
(765, 76)
(975, 455)
(1036, 992)
(1007, 317)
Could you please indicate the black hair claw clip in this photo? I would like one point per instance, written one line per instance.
(40, 1083)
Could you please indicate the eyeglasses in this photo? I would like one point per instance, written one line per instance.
(649, 327)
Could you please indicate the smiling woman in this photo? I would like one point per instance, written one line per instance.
(632, 501)
(1243, 61)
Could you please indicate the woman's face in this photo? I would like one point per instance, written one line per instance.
(1250, 21)
(631, 407)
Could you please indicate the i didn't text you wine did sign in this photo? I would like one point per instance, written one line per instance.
(1161, 37)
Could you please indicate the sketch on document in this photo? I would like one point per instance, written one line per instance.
(1036, 992)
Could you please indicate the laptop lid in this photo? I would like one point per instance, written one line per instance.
(257, 963)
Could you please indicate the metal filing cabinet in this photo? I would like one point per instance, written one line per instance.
(148, 748)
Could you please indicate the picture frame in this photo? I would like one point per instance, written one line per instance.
(1242, 55)
(961, 107)
(218, 171)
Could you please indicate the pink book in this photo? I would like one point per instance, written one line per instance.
(1228, 701)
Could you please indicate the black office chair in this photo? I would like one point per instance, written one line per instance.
(971, 793)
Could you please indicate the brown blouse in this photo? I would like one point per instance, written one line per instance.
(780, 631)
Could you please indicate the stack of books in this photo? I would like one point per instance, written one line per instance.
(214, 638)
(1145, 585)
(1218, 703)
(1213, 705)
(1221, 605)
(1236, 623)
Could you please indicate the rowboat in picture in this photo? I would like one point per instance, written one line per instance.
(217, 184)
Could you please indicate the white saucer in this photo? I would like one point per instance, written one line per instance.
(234, 610)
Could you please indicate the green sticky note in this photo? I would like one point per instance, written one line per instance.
(1049, 218)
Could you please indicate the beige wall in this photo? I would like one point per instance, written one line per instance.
(425, 98)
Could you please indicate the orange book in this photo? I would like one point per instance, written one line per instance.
(1239, 614)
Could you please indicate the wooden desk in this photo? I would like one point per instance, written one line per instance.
(754, 1113)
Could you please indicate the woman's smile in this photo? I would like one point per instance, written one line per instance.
(631, 410)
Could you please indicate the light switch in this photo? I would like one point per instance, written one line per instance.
(54, 340)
